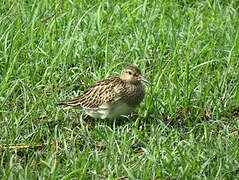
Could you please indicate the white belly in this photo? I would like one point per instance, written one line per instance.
(114, 111)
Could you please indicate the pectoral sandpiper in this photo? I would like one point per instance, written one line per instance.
(112, 97)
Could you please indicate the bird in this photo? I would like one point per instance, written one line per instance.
(112, 97)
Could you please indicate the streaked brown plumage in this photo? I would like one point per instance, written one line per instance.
(112, 97)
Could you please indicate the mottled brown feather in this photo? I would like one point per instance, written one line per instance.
(103, 91)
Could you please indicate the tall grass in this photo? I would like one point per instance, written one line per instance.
(187, 127)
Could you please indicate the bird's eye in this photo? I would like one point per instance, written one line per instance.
(129, 72)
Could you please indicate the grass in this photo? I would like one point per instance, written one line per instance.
(187, 127)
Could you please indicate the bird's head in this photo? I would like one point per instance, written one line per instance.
(132, 74)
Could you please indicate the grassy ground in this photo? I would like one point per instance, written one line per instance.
(187, 127)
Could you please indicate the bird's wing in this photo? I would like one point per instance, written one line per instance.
(105, 91)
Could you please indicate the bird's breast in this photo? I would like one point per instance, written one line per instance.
(135, 96)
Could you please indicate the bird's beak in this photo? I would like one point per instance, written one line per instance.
(141, 78)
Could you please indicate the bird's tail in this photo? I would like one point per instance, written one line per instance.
(70, 103)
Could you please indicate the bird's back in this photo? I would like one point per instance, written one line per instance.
(105, 91)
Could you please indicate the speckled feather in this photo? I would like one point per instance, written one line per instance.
(105, 91)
